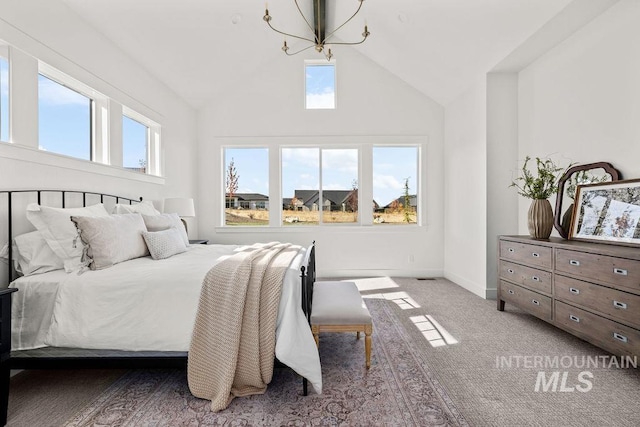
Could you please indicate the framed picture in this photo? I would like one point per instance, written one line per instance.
(607, 212)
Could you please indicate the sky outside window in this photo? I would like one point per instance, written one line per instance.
(4, 100)
(249, 203)
(135, 137)
(64, 117)
(320, 86)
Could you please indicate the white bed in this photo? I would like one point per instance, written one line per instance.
(144, 304)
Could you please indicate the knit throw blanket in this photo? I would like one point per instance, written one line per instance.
(233, 343)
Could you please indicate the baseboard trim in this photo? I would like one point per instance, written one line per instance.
(354, 273)
(472, 287)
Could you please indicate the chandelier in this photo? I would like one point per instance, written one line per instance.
(318, 30)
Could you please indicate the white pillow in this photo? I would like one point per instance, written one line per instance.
(59, 232)
(165, 222)
(165, 243)
(111, 239)
(33, 255)
(145, 207)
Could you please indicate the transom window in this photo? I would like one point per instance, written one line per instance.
(4, 95)
(320, 85)
(64, 119)
(135, 145)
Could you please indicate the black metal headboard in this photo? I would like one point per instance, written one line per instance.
(63, 194)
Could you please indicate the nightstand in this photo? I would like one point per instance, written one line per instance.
(5, 350)
(198, 242)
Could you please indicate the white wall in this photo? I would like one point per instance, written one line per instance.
(581, 101)
(372, 105)
(49, 31)
(465, 190)
(502, 152)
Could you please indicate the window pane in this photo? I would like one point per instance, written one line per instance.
(395, 177)
(135, 142)
(300, 186)
(340, 185)
(320, 86)
(4, 100)
(64, 120)
(246, 181)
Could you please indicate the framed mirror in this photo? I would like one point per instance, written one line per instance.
(578, 175)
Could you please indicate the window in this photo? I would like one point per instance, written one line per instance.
(135, 145)
(246, 181)
(4, 98)
(395, 190)
(65, 118)
(320, 86)
(303, 179)
(300, 186)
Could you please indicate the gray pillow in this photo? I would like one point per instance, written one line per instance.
(111, 239)
(164, 222)
(165, 243)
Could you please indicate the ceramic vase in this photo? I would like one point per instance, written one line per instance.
(540, 219)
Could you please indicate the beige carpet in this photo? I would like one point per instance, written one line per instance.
(434, 363)
(490, 396)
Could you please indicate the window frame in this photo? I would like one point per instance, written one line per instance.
(364, 145)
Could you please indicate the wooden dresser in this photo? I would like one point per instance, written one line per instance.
(590, 290)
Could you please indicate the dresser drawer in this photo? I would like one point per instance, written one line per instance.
(619, 305)
(538, 256)
(533, 302)
(530, 277)
(619, 272)
(613, 336)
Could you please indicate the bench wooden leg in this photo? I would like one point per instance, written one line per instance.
(316, 334)
(358, 335)
(367, 344)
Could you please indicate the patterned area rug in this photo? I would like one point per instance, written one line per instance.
(398, 390)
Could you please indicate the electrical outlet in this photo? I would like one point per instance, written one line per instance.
(411, 258)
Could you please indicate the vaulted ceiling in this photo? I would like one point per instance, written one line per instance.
(199, 47)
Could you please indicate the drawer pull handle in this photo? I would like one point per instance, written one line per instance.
(574, 291)
(511, 291)
(510, 270)
(535, 301)
(618, 304)
(535, 278)
(620, 337)
(574, 262)
(620, 271)
(535, 254)
(511, 250)
(574, 318)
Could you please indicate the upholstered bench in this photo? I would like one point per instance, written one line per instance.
(338, 307)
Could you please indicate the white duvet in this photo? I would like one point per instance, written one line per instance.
(144, 304)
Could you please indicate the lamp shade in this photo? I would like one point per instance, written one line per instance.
(182, 206)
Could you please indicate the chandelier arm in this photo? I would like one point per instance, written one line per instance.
(301, 50)
(305, 18)
(343, 24)
(287, 34)
(346, 43)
